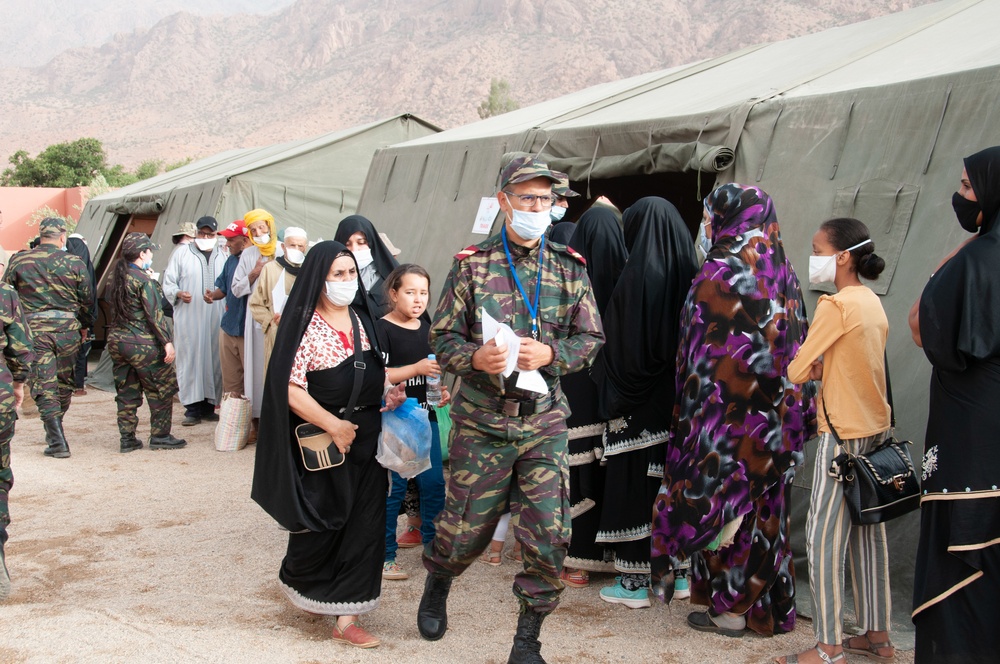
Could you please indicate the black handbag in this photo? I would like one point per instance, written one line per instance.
(319, 452)
(881, 484)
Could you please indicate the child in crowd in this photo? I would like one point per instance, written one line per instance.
(406, 346)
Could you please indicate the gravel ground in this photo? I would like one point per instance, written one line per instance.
(162, 557)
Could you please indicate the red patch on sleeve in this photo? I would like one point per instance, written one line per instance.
(465, 253)
(576, 254)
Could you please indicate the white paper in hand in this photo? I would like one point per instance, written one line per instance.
(504, 336)
(532, 381)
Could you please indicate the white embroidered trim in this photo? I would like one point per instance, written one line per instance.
(327, 608)
(629, 567)
(655, 470)
(643, 440)
(589, 565)
(586, 431)
(930, 463)
(626, 535)
(581, 507)
(583, 458)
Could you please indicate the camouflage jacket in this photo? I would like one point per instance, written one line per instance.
(481, 278)
(16, 346)
(145, 324)
(54, 288)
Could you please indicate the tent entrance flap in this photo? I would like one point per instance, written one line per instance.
(681, 189)
(659, 158)
(141, 205)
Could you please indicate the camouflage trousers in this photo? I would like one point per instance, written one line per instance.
(140, 368)
(7, 420)
(495, 460)
(52, 374)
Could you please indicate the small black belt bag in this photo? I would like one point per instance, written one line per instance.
(881, 484)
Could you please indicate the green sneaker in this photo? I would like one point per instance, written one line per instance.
(633, 599)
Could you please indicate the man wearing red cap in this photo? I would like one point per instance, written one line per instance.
(231, 332)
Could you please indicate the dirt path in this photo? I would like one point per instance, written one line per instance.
(163, 557)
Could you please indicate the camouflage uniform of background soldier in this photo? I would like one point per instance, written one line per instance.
(510, 444)
(140, 347)
(15, 362)
(56, 298)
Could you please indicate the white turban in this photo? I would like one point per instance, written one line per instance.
(295, 231)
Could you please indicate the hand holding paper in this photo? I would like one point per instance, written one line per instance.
(504, 338)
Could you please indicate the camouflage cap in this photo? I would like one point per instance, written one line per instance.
(187, 228)
(523, 169)
(135, 243)
(51, 226)
(561, 188)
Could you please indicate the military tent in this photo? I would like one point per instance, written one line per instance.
(312, 183)
(869, 120)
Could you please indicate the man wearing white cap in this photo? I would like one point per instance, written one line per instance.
(275, 283)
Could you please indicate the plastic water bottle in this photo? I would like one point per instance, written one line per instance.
(433, 386)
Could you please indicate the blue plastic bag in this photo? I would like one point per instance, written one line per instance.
(404, 446)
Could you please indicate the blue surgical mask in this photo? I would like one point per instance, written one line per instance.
(557, 213)
(147, 264)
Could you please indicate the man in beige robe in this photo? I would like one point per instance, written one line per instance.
(274, 284)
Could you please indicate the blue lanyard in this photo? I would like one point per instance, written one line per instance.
(533, 310)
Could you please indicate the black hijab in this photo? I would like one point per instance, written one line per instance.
(598, 238)
(641, 321)
(384, 261)
(562, 232)
(960, 305)
(277, 485)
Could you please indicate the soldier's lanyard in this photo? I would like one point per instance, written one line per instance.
(532, 309)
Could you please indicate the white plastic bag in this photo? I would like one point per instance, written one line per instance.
(233, 430)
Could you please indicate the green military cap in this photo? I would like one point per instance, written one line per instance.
(523, 169)
(561, 187)
(187, 228)
(51, 226)
(135, 243)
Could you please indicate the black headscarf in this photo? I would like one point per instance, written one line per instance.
(598, 238)
(78, 247)
(562, 232)
(641, 321)
(277, 486)
(983, 169)
(292, 269)
(384, 261)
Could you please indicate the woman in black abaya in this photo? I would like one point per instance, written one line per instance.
(956, 598)
(375, 261)
(634, 374)
(336, 517)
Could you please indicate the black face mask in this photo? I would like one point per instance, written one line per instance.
(967, 212)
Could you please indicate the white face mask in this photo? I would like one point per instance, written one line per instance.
(702, 245)
(206, 243)
(262, 239)
(294, 256)
(823, 269)
(341, 293)
(556, 213)
(363, 256)
(530, 225)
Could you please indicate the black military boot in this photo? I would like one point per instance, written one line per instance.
(527, 649)
(130, 443)
(58, 447)
(432, 616)
(166, 442)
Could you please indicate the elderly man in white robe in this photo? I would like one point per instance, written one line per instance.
(191, 272)
(264, 240)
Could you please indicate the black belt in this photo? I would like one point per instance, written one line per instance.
(513, 407)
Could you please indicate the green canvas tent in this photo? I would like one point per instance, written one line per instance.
(869, 120)
(312, 183)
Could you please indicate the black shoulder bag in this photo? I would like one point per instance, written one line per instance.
(319, 452)
(880, 485)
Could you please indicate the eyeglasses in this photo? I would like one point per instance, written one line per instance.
(528, 200)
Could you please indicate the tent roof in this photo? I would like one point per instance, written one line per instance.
(909, 45)
(235, 162)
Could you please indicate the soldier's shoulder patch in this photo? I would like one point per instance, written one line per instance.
(468, 251)
(566, 249)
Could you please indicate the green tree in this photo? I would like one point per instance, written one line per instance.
(177, 164)
(71, 164)
(499, 101)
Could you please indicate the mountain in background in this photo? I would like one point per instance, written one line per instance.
(197, 85)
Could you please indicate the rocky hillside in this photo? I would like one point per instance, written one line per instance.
(195, 85)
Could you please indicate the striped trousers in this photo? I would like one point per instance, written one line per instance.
(829, 536)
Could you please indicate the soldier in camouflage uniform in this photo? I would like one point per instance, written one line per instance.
(15, 362)
(509, 443)
(140, 347)
(56, 297)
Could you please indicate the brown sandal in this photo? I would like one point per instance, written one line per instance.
(871, 652)
(490, 557)
(355, 635)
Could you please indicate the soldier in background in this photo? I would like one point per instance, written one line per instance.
(562, 193)
(57, 299)
(140, 347)
(16, 357)
(509, 443)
